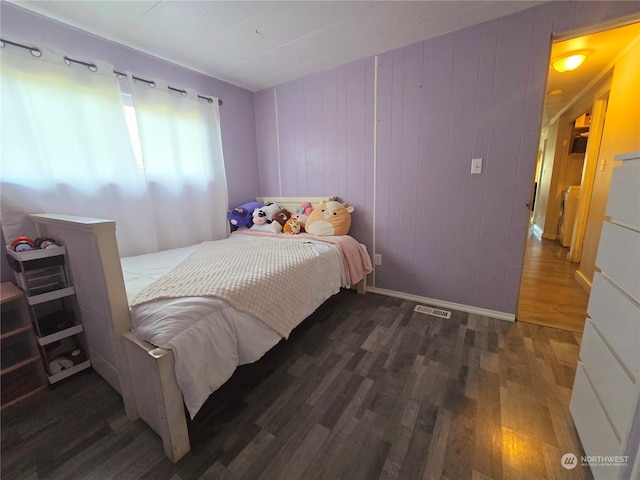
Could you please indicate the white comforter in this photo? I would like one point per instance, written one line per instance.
(209, 338)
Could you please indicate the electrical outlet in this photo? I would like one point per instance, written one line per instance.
(377, 259)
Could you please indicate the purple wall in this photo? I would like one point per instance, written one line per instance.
(237, 113)
(477, 92)
(325, 128)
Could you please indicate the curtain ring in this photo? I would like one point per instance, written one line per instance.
(178, 90)
(36, 52)
(209, 100)
(91, 66)
(150, 83)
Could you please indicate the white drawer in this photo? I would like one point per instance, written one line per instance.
(618, 319)
(611, 383)
(619, 257)
(624, 193)
(594, 429)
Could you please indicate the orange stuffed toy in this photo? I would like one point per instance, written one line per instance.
(329, 218)
(292, 226)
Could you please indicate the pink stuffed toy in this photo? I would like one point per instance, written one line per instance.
(303, 212)
(305, 208)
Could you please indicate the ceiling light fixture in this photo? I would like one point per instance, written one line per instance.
(569, 62)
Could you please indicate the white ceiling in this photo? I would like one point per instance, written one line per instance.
(259, 44)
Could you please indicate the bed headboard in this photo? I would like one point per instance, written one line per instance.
(290, 203)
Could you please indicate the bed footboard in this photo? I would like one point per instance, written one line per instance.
(157, 395)
(95, 268)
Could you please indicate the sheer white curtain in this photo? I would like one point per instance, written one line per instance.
(65, 147)
(183, 164)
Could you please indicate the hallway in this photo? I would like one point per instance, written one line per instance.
(549, 293)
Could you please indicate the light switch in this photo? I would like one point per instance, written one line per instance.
(476, 165)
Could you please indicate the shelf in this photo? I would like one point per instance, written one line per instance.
(15, 332)
(44, 277)
(37, 253)
(23, 396)
(47, 297)
(54, 337)
(10, 292)
(20, 364)
(69, 371)
(21, 382)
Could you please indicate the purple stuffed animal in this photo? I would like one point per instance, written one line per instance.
(240, 217)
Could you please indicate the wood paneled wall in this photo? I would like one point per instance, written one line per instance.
(475, 93)
(324, 142)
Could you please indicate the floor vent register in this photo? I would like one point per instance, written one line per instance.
(436, 312)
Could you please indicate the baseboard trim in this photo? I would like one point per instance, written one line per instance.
(509, 317)
(549, 236)
(583, 281)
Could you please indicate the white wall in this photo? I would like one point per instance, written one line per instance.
(621, 134)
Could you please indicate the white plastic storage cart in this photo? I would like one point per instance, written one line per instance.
(44, 277)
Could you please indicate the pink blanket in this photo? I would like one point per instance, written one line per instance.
(357, 263)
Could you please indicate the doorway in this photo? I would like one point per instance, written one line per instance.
(554, 289)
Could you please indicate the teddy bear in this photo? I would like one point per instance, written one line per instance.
(330, 218)
(292, 226)
(241, 216)
(282, 216)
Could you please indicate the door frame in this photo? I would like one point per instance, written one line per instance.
(598, 118)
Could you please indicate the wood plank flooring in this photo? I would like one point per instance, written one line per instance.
(549, 294)
(363, 389)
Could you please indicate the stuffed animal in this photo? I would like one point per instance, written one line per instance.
(241, 217)
(292, 226)
(302, 213)
(302, 218)
(330, 218)
(271, 227)
(265, 213)
(263, 219)
(282, 216)
(305, 208)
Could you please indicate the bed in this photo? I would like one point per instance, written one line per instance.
(157, 364)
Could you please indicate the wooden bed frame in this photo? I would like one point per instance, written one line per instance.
(143, 374)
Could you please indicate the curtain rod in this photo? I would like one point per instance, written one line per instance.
(36, 52)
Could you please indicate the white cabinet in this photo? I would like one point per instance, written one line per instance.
(606, 391)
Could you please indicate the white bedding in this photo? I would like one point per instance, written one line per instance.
(209, 338)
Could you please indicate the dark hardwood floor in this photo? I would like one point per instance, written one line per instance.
(364, 389)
